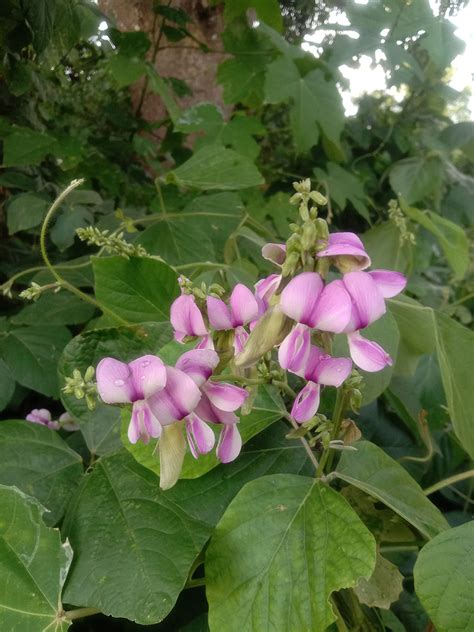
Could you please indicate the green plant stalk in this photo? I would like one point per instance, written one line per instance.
(448, 481)
(328, 454)
(62, 282)
(79, 613)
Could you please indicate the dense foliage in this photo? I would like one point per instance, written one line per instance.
(379, 536)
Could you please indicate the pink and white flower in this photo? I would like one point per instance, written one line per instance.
(43, 417)
(242, 309)
(346, 251)
(187, 320)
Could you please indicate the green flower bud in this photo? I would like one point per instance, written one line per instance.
(291, 263)
(308, 240)
(270, 331)
(318, 198)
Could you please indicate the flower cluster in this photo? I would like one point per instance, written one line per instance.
(296, 311)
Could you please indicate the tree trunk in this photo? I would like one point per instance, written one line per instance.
(183, 60)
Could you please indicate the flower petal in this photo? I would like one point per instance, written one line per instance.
(300, 296)
(332, 371)
(218, 314)
(243, 305)
(276, 253)
(240, 339)
(177, 399)
(367, 354)
(230, 444)
(388, 282)
(265, 289)
(39, 416)
(224, 396)
(114, 382)
(294, 350)
(143, 424)
(148, 375)
(198, 364)
(207, 411)
(307, 403)
(186, 317)
(333, 309)
(200, 436)
(368, 302)
(348, 251)
(172, 449)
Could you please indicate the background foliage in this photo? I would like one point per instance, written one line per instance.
(199, 191)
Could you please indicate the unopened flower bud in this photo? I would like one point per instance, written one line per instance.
(323, 232)
(318, 198)
(269, 332)
(291, 263)
(308, 239)
(356, 400)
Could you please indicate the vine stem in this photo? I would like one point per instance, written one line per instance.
(79, 613)
(305, 443)
(238, 378)
(328, 454)
(448, 481)
(62, 282)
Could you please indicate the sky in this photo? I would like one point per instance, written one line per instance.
(367, 79)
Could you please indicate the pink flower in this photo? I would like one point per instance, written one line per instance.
(346, 251)
(276, 253)
(217, 405)
(43, 417)
(265, 290)
(187, 320)
(133, 383)
(242, 309)
(320, 369)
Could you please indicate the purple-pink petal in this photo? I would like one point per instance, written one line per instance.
(265, 289)
(148, 375)
(333, 309)
(207, 411)
(240, 339)
(198, 364)
(306, 404)
(276, 253)
(348, 250)
(177, 399)
(230, 444)
(294, 350)
(332, 371)
(143, 424)
(368, 304)
(300, 296)
(243, 305)
(388, 282)
(114, 382)
(227, 397)
(218, 313)
(186, 318)
(367, 354)
(39, 416)
(200, 436)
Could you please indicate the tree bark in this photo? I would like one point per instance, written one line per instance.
(183, 60)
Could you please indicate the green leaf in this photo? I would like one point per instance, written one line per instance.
(126, 70)
(137, 289)
(383, 587)
(267, 409)
(316, 103)
(24, 211)
(26, 147)
(32, 353)
(101, 427)
(7, 385)
(344, 187)
(134, 557)
(62, 308)
(283, 546)
(33, 566)
(387, 251)
(161, 88)
(372, 470)
(452, 238)
(214, 167)
(459, 135)
(40, 16)
(37, 461)
(416, 178)
(444, 576)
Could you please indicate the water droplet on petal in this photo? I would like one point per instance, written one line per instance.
(119, 382)
(145, 363)
(142, 377)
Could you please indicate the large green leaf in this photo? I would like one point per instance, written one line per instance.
(283, 546)
(101, 427)
(444, 579)
(372, 470)
(138, 289)
(55, 309)
(316, 103)
(33, 567)
(267, 409)
(26, 147)
(32, 354)
(7, 385)
(37, 461)
(386, 249)
(215, 167)
(416, 178)
(343, 187)
(138, 525)
(452, 238)
(268, 11)
(24, 211)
